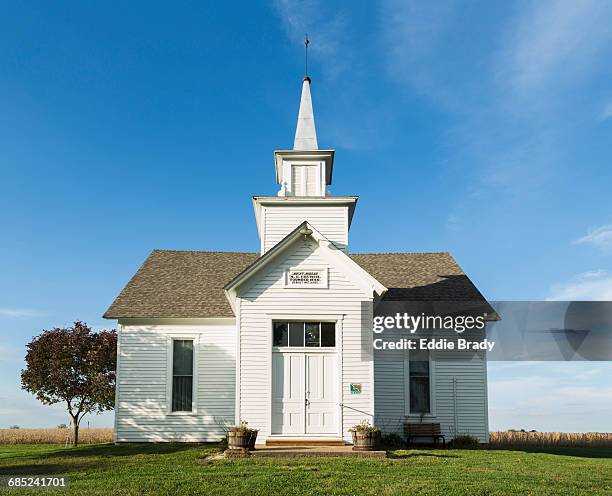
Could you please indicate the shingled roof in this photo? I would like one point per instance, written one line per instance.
(189, 284)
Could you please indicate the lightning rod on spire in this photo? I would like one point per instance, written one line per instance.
(306, 43)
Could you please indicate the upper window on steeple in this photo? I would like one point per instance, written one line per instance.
(305, 180)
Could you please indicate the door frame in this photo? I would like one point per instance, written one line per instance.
(303, 355)
(318, 317)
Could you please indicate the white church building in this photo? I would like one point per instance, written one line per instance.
(282, 338)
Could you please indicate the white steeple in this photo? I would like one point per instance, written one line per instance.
(304, 174)
(305, 133)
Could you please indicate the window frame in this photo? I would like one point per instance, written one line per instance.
(432, 397)
(170, 376)
(304, 348)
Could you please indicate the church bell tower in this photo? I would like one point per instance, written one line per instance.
(304, 173)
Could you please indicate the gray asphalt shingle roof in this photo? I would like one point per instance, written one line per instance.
(189, 284)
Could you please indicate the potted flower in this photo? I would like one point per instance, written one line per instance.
(241, 437)
(366, 437)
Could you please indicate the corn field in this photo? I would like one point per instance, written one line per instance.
(550, 439)
(497, 439)
(55, 436)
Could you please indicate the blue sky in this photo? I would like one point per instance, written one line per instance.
(480, 128)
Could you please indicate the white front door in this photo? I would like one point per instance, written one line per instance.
(304, 389)
(321, 387)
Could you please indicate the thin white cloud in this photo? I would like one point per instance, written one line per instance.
(550, 396)
(17, 313)
(326, 30)
(553, 43)
(600, 237)
(413, 30)
(9, 353)
(548, 45)
(589, 286)
(607, 112)
(413, 36)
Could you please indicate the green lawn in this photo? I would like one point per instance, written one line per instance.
(182, 469)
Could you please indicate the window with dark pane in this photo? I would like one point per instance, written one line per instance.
(296, 333)
(312, 334)
(304, 334)
(281, 333)
(420, 401)
(182, 375)
(328, 334)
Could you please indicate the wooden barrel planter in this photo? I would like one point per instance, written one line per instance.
(366, 441)
(239, 440)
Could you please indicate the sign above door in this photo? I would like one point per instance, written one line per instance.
(306, 278)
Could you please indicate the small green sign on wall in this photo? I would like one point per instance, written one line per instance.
(355, 388)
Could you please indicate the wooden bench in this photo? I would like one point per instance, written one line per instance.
(433, 431)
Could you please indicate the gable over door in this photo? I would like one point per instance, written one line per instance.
(272, 387)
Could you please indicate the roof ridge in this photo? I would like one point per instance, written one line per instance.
(155, 250)
(257, 253)
(404, 253)
(206, 251)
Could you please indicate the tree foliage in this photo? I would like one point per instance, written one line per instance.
(73, 365)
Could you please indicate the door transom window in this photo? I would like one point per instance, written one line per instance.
(304, 334)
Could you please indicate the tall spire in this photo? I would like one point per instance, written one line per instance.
(305, 133)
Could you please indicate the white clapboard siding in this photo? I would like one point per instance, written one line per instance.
(461, 394)
(143, 394)
(330, 221)
(459, 397)
(389, 400)
(265, 296)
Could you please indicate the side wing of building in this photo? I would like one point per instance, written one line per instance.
(174, 309)
(457, 381)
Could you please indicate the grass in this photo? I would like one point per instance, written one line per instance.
(183, 469)
(55, 436)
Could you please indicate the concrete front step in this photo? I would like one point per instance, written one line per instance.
(297, 442)
(312, 451)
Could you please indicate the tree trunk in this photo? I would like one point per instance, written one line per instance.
(76, 433)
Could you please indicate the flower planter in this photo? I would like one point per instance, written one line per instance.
(366, 441)
(242, 440)
(238, 440)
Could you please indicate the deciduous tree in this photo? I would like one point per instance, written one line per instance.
(73, 365)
